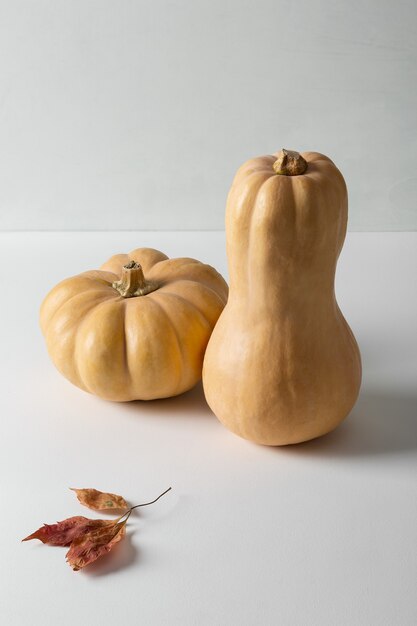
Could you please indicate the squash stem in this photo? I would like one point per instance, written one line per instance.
(289, 163)
(132, 282)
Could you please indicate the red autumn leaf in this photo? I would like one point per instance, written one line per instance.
(63, 533)
(90, 546)
(89, 539)
(99, 500)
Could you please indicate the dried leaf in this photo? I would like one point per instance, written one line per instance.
(89, 539)
(92, 545)
(100, 501)
(63, 533)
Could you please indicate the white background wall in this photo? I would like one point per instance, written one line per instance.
(119, 114)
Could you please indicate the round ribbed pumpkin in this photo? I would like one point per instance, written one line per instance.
(136, 329)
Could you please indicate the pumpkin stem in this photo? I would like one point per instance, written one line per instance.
(289, 163)
(133, 282)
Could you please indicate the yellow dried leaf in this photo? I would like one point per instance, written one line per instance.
(99, 500)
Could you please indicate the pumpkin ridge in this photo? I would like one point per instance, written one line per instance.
(125, 350)
(56, 289)
(245, 201)
(75, 325)
(314, 157)
(77, 337)
(182, 265)
(191, 280)
(73, 297)
(189, 303)
(138, 254)
(114, 259)
(177, 339)
(206, 285)
(163, 282)
(250, 167)
(92, 275)
(250, 228)
(71, 331)
(296, 213)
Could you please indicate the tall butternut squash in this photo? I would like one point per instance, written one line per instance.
(282, 365)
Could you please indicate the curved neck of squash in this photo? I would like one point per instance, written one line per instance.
(281, 285)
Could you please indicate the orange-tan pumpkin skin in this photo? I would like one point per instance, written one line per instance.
(282, 365)
(135, 348)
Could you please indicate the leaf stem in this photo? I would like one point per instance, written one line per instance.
(128, 512)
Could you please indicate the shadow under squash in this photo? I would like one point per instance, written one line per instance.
(189, 404)
(382, 422)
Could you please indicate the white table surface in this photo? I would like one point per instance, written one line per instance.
(324, 533)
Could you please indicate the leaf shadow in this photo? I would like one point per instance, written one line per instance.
(123, 555)
(383, 422)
